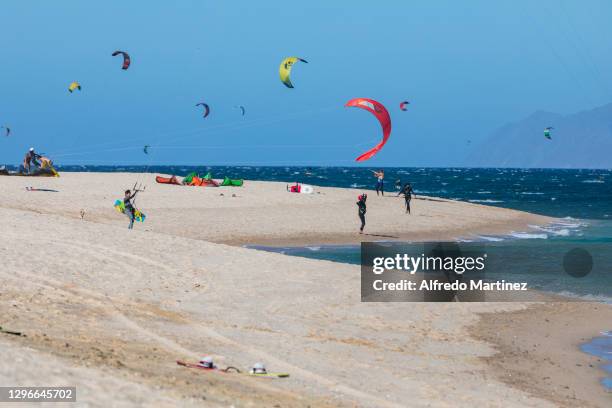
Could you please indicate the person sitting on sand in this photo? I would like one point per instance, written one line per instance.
(31, 157)
(380, 180)
(408, 192)
(130, 211)
(361, 205)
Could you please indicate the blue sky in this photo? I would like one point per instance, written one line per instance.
(467, 67)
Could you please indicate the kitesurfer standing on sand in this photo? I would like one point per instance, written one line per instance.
(408, 192)
(130, 211)
(361, 205)
(380, 179)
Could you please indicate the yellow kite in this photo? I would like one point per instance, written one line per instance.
(73, 86)
(285, 69)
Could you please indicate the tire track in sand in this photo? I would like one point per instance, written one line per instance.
(105, 301)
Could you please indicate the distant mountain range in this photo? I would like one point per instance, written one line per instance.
(579, 140)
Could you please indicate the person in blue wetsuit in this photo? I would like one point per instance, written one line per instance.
(380, 181)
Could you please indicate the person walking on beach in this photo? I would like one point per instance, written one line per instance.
(408, 192)
(361, 205)
(380, 180)
(130, 211)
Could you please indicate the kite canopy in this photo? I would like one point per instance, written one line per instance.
(126, 58)
(547, 132)
(381, 113)
(145, 149)
(74, 85)
(7, 130)
(403, 105)
(285, 69)
(241, 109)
(206, 108)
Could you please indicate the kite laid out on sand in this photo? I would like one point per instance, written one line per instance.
(126, 58)
(381, 113)
(285, 69)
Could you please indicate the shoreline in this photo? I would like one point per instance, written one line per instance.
(546, 360)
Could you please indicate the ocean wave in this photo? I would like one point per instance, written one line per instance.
(490, 239)
(314, 248)
(531, 193)
(553, 229)
(588, 297)
(488, 200)
(483, 192)
(593, 181)
(527, 235)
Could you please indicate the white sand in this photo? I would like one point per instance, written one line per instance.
(129, 303)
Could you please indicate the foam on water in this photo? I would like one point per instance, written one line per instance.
(527, 235)
(486, 201)
(490, 238)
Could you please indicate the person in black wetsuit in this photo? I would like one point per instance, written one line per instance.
(130, 211)
(408, 192)
(361, 205)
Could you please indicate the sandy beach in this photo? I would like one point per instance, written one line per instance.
(111, 310)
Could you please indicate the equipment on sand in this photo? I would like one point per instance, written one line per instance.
(194, 179)
(233, 183)
(259, 370)
(167, 180)
(200, 366)
(46, 169)
(14, 333)
(41, 189)
(229, 369)
(269, 375)
(300, 188)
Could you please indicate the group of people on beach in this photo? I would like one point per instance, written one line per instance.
(406, 190)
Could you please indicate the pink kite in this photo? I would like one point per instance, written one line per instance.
(378, 110)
